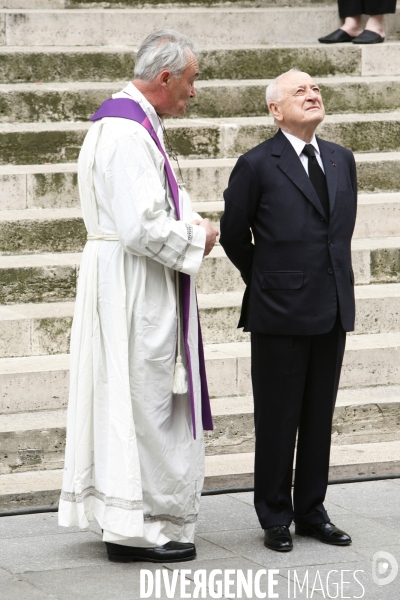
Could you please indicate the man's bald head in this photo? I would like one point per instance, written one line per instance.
(274, 89)
(294, 100)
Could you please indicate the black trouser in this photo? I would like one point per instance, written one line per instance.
(350, 8)
(295, 383)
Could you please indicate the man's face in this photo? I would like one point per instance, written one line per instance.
(178, 90)
(301, 102)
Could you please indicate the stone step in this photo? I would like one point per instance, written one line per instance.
(33, 143)
(56, 185)
(183, 4)
(354, 460)
(68, 4)
(98, 63)
(39, 186)
(372, 359)
(362, 415)
(374, 168)
(42, 329)
(39, 278)
(42, 230)
(54, 102)
(42, 488)
(32, 441)
(30, 489)
(246, 98)
(41, 382)
(378, 311)
(111, 27)
(29, 4)
(228, 25)
(378, 215)
(36, 440)
(375, 260)
(225, 138)
(35, 329)
(34, 383)
(373, 410)
(38, 230)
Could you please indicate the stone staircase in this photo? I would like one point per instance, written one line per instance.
(59, 59)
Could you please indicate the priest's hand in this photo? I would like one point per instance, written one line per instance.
(211, 234)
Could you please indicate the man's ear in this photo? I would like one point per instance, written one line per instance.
(275, 111)
(164, 77)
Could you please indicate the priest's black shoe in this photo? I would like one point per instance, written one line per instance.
(169, 552)
(327, 533)
(278, 538)
(336, 37)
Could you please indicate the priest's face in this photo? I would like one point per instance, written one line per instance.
(178, 90)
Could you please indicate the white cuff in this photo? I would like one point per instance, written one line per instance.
(193, 255)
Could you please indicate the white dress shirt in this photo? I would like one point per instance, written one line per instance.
(299, 144)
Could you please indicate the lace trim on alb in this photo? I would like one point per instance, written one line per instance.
(179, 262)
(174, 520)
(126, 505)
(108, 501)
(189, 229)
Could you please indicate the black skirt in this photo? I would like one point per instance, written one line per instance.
(350, 8)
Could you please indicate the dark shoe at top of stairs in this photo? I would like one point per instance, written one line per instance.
(336, 37)
(368, 37)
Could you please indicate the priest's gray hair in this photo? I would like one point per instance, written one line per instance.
(273, 92)
(163, 49)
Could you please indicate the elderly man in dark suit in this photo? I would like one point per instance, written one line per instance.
(290, 211)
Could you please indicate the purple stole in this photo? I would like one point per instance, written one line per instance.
(129, 109)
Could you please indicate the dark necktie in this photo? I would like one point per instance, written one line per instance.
(317, 177)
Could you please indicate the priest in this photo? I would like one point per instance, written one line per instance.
(138, 399)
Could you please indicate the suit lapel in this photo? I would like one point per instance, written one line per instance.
(291, 165)
(331, 173)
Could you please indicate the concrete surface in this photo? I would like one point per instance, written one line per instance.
(41, 561)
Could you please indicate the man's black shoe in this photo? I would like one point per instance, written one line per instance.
(327, 533)
(170, 552)
(278, 538)
(336, 37)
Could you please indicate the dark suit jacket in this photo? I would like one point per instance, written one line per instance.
(298, 268)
